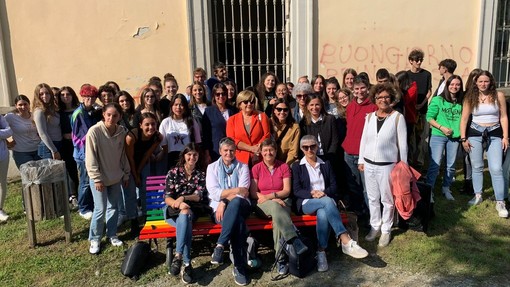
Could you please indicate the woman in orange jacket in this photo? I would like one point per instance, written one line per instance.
(248, 128)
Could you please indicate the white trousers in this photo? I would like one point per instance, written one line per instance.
(378, 185)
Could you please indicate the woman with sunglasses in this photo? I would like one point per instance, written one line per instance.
(314, 187)
(285, 132)
(383, 142)
(300, 93)
(214, 121)
(248, 128)
(488, 132)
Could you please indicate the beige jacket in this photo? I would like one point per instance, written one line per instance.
(105, 156)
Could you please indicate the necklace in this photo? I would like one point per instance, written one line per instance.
(482, 98)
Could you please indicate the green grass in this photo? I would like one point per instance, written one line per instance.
(462, 241)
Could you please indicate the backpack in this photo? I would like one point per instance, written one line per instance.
(299, 265)
(135, 260)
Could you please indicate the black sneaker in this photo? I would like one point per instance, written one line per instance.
(175, 268)
(299, 246)
(239, 277)
(217, 256)
(186, 274)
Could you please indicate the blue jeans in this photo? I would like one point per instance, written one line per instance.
(183, 226)
(44, 152)
(127, 204)
(327, 215)
(506, 173)
(356, 181)
(85, 200)
(21, 157)
(437, 145)
(233, 228)
(105, 204)
(494, 158)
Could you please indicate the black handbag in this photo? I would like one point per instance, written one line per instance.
(299, 265)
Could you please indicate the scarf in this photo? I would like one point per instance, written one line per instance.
(225, 172)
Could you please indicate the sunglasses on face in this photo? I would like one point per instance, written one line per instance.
(248, 102)
(285, 110)
(219, 95)
(418, 59)
(309, 147)
(301, 96)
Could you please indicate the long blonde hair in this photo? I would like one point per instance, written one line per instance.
(50, 108)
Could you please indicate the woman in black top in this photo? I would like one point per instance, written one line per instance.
(67, 103)
(140, 144)
(320, 124)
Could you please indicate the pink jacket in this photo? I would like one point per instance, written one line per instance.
(404, 189)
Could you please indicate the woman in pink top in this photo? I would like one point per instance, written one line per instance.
(270, 187)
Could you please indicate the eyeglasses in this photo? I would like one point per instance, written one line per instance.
(383, 98)
(285, 110)
(248, 102)
(150, 97)
(309, 147)
(301, 96)
(220, 95)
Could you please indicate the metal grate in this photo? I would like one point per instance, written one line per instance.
(249, 36)
(501, 65)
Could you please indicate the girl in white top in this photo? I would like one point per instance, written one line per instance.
(383, 141)
(24, 131)
(47, 121)
(178, 129)
(487, 132)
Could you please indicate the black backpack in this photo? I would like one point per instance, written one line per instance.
(299, 265)
(135, 260)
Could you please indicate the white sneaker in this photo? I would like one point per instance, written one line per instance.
(447, 193)
(87, 215)
(3, 216)
(95, 246)
(501, 208)
(373, 234)
(476, 200)
(385, 239)
(354, 250)
(115, 241)
(322, 262)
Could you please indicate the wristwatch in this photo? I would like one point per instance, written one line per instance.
(463, 140)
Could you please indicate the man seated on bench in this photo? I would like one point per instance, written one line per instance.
(228, 181)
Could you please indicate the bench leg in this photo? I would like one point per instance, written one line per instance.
(169, 252)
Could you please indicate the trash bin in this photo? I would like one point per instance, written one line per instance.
(45, 194)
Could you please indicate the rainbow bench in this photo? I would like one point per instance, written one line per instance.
(155, 226)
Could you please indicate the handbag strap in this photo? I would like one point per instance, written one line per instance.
(280, 137)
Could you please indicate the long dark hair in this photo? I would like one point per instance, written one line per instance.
(186, 114)
(75, 102)
(446, 93)
(289, 120)
(189, 148)
(307, 115)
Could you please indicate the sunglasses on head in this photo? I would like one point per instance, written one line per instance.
(286, 110)
(309, 147)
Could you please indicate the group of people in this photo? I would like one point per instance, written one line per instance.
(272, 148)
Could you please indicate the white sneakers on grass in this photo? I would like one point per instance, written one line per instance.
(501, 208)
(3, 216)
(86, 215)
(95, 246)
